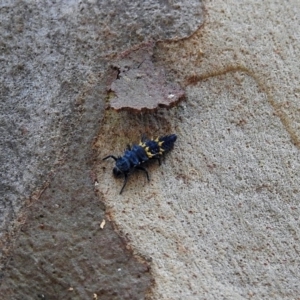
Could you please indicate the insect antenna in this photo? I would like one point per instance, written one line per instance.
(125, 181)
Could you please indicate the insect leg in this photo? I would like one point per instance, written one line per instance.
(110, 156)
(125, 181)
(158, 158)
(143, 169)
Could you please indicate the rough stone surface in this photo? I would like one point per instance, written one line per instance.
(54, 62)
(62, 253)
(220, 218)
(236, 198)
(139, 85)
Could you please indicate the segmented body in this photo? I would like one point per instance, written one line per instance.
(134, 157)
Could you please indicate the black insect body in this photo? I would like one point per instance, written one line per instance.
(134, 157)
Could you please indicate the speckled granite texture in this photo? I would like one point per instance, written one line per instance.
(54, 61)
(219, 218)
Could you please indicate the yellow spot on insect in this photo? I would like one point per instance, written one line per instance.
(142, 144)
(149, 154)
(161, 150)
(160, 143)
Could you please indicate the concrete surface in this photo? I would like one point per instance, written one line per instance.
(55, 57)
(220, 217)
(139, 86)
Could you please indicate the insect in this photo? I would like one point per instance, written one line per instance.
(134, 157)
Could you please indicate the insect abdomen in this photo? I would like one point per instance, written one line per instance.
(167, 142)
(140, 153)
(156, 148)
(132, 158)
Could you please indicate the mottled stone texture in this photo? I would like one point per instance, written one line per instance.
(139, 85)
(54, 60)
(220, 219)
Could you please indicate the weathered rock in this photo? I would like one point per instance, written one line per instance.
(54, 61)
(140, 85)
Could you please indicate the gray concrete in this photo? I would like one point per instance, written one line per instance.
(219, 219)
(54, 62)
